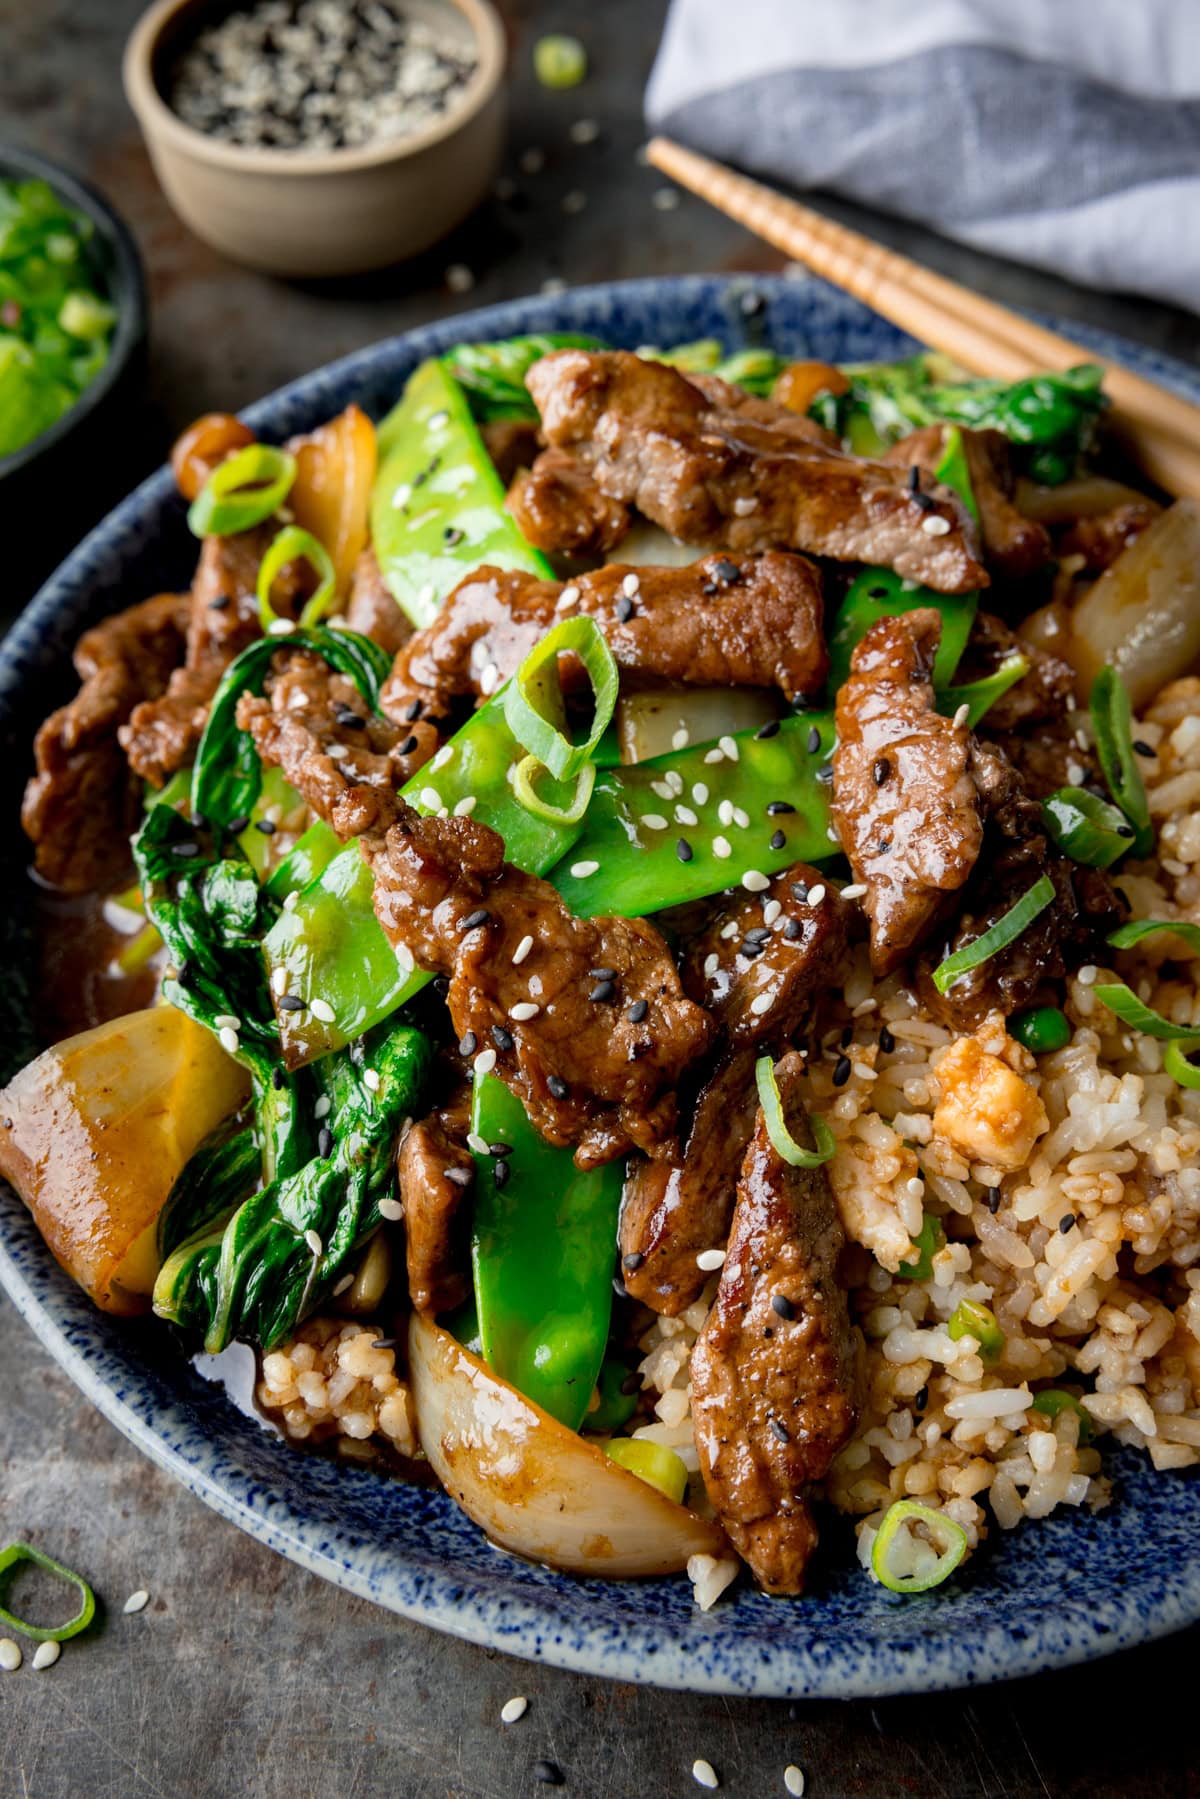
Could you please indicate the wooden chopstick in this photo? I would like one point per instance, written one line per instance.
(1158, 427)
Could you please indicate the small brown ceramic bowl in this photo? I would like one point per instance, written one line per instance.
(326, 212)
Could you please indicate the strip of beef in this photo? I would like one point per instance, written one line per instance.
(163, 734)
(1034, 722)
(712, 469)
(315, 725)
(1014, 546)
(371, 607)
(1100, 538)
(435, 1172)
(82, 803)
(560, 509)
(754, 622)
(758, 983)
(598, 1062)
(904, 804)
(512, 444)
(773, 1370)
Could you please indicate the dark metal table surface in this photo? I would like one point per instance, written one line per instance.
(246, 1676)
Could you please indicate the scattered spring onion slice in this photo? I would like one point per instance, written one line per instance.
(894, 1543)
(970, 1319)
(1140, 928)
(1053, 1400)
(1132, 1011)
(559, 60)
(980, 696)
(782, 1141)
(1112, 720)
(533, 701)
(1006, 930)
(657, 1466)
(1041, 1029)
(1085, 828)
(570, 813)
(294, 545)
(1180, 1069)
(927, 1242)
(242, 491)
(10, 1559)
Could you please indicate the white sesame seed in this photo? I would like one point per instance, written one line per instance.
(771, 911)
(755, 881)
(741, 818)
(512, 1709)
(476, 1143)
(429, 796)
(444, 755)
(711, 964)
(831, 833)
(934, 525)
(567, 598)
(427, 594)
(700, 793)
(762, 1003)
(10, 1655)
(291, 900)
(402, 496)
(405, 959)
(793, 1780)
(523, 1010)
(46, 1654)
(137, 1602)
(708, 1259)
(1087, 974)
(854, 891)
(371, 1079)
(674, 781)
(725, 812)
(680, 738)
(321, 1008)
(322, 1107)
(631, 586)
(278, 627)
(229, 1040)
(961, 717)
(489, 679)
(485, 1061)
(722, 847)
(743, 508)
(581, 870)
(685, 815)
(392, 1210)
(522, 950)
(459, 278)
(438, 420)
(704, 1774)
(666, 199)
(816, 894)
(314, 1243)
(466, 806)
(729, 747)
(1075, 773)
(654, 821)
(714, 755)
(227, 1021)
(344, 1285)
(662, 789)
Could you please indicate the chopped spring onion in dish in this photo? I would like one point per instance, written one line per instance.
(1135, 1012)
(1006, 930)
(1177, 1064)
(1112, 721)
(1086, 828)
(782, 1141)
(1139, 929)
(970, 1318)
(1053, 1400)
(18, 1554)
(294, 545)
(916, 1548)
(657, 1466)
(242, 491)
(928, 1241)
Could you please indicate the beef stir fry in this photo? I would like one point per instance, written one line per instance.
(673, 952)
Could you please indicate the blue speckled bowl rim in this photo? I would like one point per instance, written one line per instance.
(1051, 1594)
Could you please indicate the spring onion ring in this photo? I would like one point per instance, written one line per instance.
(1181, 1070)
(1053, 1400)
(1140, 928)
(657, 1466)
(782, 1141)
(1085, 828)
(1006, 930)
(533, 701)
(971, 1319)
(12, 1558)
(527, 795)
(900, 1515)
(294, 545)
(242, 491)
(1112, 720)
(1132, 1011)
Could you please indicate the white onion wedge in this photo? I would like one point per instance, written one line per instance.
(531, 1484)
(1143, 614)
(650, 544)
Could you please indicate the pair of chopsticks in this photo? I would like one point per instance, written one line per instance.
(1158, 428)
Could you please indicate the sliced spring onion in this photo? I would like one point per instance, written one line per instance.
(1180, 1069)
(242, 491)
(896, 1554)
(953, 470)
(1132, 1011)
(782, 1141)
(559, 60)
(533, 702)
(1085, 828)
(657, 1466)
(571, 811)
(294, 545)
(970, 1319)
(1006, 930)
(1041, 1029)
(1140, 928)
(1053, 1400)
(928, 1241)
(980, 696)
(1112, 720)
(11, 1559)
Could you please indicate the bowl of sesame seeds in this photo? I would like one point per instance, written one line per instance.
(320, 137)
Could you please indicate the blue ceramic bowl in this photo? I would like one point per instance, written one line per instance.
(1051, 1593)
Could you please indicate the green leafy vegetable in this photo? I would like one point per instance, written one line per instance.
(953, 470)
(492, 375)
(1087, 829)
(1006, 930)
(756, 370)
(782, 1141)
(1112, 720)
(242, 491)
(905, 1562)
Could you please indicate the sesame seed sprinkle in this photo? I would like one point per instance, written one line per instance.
(314, 1243)
(323, 1106)
(961, 717)
(856, 890)
(522, 950)
(321, 1008)
(680, 738)
(704, 1774)
(793, 1780)
(229, 1039)
(685, 816)
(371, 1079)
(46, 1654)
(725, 812)
(717, 755)
(729, 746)
(430, 797)
(816, 895)
(581, 870)
(729, 931)
(700, 793)
(631, 586)
(465, 806)
(227, 1021)
(711, 964)
(10, 1655)
(512, 1709)
(934, 525)
(771, 911)
(523, 1010)
(762, 1003)
(477, 1144)
(137, 1602)
(392, 1210)
(654, 821)
(755, 881)
(722, 847)
(485, 1061)
(710, 1259)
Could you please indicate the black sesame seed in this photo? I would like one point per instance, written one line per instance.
(759, 934)
(198, 823)
(453, 536)
(991, 1199)
(922, 1400)
(881, 770)
(780, 1431)
(408, 746)
(914, 478)
(793, 930)
(813, 741)
(778, 839)
(924, 502)
(349, 718)
(499, 1149)
(1067, 1222)
(603, 974)
(501, 1038)
(291, 1002)
(800, 889)
(412, 712)
(782, 1306)
(883, 846)
(236, 826)
(770, 729)
(266, 826)
(624, 609)
(877, 593)
(847, 1036)
(638, 1011)
(1143, 748)
(887, 1042)
(825, 772)
(709, 588)
(1125, 831)
(603, 993)
(726, 571)
(750, 949)
(779, 808)
(468, 1044)
(324, 1141)
(474, 919)
(500, 1172)
(557, 1087)
(633, 1261)
(220, 603)
(441, 985)
(683, 849)
(461, 1177)
(619, 1287)
(841, 1073)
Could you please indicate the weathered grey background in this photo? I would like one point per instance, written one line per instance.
(246, 1676)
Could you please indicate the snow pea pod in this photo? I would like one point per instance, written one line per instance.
(437, 506)
(881, 593)
(543, 1241)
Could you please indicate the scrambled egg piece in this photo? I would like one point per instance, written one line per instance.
(986, 1111)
